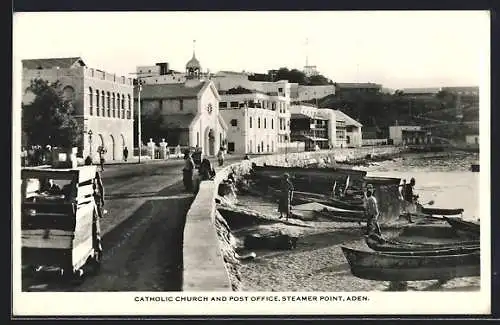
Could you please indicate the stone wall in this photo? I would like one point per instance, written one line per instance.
(207, 259)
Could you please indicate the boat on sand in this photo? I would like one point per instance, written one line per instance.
(393, 267)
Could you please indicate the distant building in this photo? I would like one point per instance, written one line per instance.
(405, 134)
(353, 136)
(102, 102)
(326, 127)
(472, 139)
(467, 91)
(342, 89)
(190, 110)
(301, 93)
(420, 92)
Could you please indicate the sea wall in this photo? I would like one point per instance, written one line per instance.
(210, 262)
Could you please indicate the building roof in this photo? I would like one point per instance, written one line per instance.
(358, 85)
(176, 90)
(416, 91)
(348, 120)
(193, 63)
(63, 63)
(300, 116)
(177, 121)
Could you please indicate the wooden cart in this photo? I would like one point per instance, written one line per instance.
(60, 224)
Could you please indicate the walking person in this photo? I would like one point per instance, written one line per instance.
(220, 156)
(286, 196)
(187, 172)
(101, 150)
(125, 153)
(371, 212)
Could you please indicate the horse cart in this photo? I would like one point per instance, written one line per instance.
(59, 221)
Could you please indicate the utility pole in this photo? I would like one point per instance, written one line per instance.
(139, 124)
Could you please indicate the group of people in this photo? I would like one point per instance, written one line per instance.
(36, 155)
(205, 171)
(371, 207)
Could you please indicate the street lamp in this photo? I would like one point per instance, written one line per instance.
(139, 128)
(90, 142)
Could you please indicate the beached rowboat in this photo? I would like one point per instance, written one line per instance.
(391, 267)
(378, 243)
(441, 212)
(461, 225)
(340, 215)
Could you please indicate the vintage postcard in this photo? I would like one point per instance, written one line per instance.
(238, 163)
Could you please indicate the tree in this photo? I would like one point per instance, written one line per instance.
(49, 119)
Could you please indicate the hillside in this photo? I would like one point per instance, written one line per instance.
(438, 114)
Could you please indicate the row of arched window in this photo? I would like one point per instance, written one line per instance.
(109, 104)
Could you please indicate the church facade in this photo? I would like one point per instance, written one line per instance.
(189, 111)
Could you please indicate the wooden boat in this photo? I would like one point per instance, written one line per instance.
(380, 244)
(341, 215)
(441, 212)
(57, 224)
(382, 180)
(271, 170)
(392, 267)
(461, 225)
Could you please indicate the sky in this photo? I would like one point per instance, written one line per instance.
(399, 49)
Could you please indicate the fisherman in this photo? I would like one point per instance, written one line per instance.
(187, 172)
(371, 212)
(286, 196)
(409, 198)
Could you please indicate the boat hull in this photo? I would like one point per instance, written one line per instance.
(392, 267)
(463, 226)
(385, 245)
(342, 215)
(441, 212)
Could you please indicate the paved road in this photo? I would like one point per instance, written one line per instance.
(142, 231)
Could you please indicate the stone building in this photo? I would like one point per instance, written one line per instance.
(189, 108)
(102, 102)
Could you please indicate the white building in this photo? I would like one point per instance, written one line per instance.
(102, 102)
(342, 130)
(406, 134)
(274, 96)
(353, 133)
(252, 123)
(472, 139)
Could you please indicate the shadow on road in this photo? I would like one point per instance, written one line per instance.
(142, 253)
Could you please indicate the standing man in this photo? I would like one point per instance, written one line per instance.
(99, 202)
(187, 172)
(286, 196)
(409, 198)
(125, 153)
(372, 212)
(220, 156)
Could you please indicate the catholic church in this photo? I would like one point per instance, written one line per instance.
(188, 102)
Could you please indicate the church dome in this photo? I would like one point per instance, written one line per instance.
(193, 63)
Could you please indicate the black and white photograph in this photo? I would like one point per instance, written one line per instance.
(269, 162)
